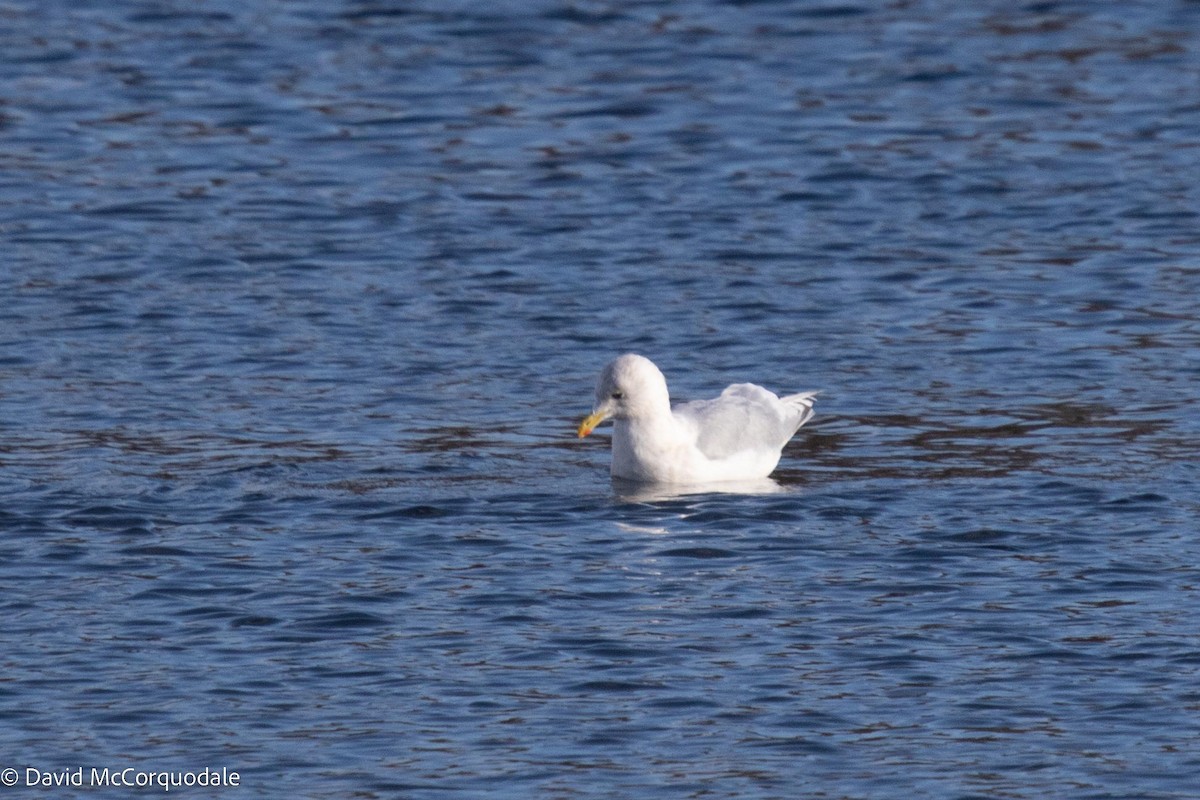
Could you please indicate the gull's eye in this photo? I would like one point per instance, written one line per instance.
(618, 395)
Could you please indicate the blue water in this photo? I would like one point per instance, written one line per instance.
(301, 303)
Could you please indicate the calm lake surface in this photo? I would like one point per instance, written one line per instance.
(302, 301)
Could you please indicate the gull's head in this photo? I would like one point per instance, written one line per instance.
(630, 387)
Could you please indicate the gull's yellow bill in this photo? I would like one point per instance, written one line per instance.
(590, 422)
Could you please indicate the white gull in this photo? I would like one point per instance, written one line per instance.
(737, 436)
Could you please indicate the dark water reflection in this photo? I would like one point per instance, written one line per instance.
(301, 304)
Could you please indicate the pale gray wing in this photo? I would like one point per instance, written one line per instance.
(800, 406)
(744, 417)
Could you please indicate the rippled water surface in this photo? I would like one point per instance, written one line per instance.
(302, 301)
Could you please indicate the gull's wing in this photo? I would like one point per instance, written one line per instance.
(744, 417)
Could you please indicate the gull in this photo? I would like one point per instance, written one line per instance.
(737, 436)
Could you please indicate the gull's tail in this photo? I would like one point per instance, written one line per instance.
(802, 405)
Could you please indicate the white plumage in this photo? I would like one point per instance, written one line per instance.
(734, 437)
